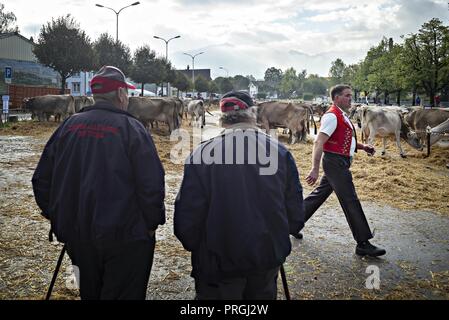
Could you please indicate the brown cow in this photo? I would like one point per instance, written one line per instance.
(285, 115)
(420, 119)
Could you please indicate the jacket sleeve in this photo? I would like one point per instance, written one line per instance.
(293, 197)
(43, 175)
(149, 177)
(191, 207)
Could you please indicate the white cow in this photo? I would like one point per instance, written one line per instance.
(197, 110)
(383, 122)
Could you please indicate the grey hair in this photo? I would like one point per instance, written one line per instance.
(108, 96)
(246, 116)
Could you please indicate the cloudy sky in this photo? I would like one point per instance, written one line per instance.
(244, 37)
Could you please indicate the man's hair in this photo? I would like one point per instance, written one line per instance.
(109, 96)
(246, 116)
(338, 89)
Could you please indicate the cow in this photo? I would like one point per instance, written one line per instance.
(420, 119)
(383, 122)
(285, 115)
(319, 109)
(83, 101)
(197, 110)
(60, 106)
(437, 132)
(147, 109)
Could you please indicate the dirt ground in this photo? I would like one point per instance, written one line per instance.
(405, 200)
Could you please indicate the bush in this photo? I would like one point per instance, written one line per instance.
(261, 95)
(307, 96)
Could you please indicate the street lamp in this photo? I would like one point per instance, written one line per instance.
(166, 50)
(193, 67)
(227, 72)
(117, 13)
(166, 44)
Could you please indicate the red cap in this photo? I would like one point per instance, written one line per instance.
(109, 79)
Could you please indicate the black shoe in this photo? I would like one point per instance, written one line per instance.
(365, 248)
(298, 235)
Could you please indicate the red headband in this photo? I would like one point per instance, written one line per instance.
(107, 85)
(232, 104)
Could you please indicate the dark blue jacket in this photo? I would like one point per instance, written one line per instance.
(100, 178)
(234, 220)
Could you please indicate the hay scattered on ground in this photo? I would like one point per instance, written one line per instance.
(27, 260)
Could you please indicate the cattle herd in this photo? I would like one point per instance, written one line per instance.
(415, 125)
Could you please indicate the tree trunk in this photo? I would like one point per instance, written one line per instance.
(398, 100)
(414, 96)
(141, 94)
(386, 97)
(63, 82)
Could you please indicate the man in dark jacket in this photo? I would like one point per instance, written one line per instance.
(101, 184)
(239, 200)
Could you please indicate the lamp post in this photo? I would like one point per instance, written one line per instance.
(227, 72)
(117, 13)
(166, 50)
(193, 67)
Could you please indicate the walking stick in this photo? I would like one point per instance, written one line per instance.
(284, 283)
(55, 274)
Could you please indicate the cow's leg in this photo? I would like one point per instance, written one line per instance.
(293, 136)
(398, 143)
(384, 140)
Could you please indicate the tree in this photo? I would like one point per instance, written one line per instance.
(427, 55)
(240, 82)
(146, 67)
(181, 82)
(201, 84)
(111, 53)
(223, 84)
(273, 78)
(63, 46)
(289, 83)
(336, 72)
(315, 85)
(7, 21)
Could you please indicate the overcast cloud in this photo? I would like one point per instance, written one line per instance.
(245, 37)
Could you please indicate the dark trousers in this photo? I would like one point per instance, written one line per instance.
(258, 286)
(338, 178)
(113, 271)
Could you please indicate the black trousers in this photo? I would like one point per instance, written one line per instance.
(258, 286)
(338, 178)
(113, 271)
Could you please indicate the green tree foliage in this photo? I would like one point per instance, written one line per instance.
(112, 53)
(273, 78)
(337, 71)
(63, 46)
(201, 84)
(289, 83)
(146, 67)
(240, 82)
(181, 82)
(213, 88)
(427, 56)
(7, 20)
(315, 85)
(223, 84)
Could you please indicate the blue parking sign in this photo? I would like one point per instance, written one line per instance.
(8, 74)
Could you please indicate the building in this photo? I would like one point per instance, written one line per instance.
(253, 89)
(16, 52)
(205, 73)
(79, 83)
